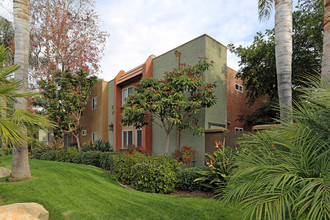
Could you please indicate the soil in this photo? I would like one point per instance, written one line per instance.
(194, 193)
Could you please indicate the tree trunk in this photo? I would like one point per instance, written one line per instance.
(20, 164)
(78, 141)
(283, 52)
(168, 142)
(326, 43)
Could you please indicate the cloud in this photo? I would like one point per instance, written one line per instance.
(144, 27)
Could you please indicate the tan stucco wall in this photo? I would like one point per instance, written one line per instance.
(96, 120)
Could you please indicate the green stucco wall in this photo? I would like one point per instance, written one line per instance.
(215, 51)
(110, 108)
(203, 46)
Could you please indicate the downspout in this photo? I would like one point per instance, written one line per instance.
(177, 54)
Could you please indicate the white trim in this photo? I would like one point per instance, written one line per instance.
(136, 137)
(238, 129)
(83, 132)
(94, 102)
(239, 87)
(94, 134)
(125, 94)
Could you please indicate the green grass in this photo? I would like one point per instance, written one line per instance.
(90, 193)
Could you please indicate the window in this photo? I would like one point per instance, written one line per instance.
(216, 125)
(139, 138)
(239, 87)
(67, 140)
(83, 133)
(238, 129)
(126, 92)
(127, 139)
(94, 136)
(94, 103)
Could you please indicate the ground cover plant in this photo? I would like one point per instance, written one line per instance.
(73, 191)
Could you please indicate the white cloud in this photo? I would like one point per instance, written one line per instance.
(139, 28)
(144, 27)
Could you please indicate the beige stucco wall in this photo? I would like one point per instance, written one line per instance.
(96, 120)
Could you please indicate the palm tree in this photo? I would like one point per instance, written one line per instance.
(284, 173)
(20, 163)
(13, 122)
(283, 50)
(326, 42)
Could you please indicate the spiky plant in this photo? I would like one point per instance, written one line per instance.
(284, 173)
(13, 120)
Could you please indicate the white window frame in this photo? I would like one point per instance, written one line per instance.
(238, 129)
(136, 137)
(93, 136)
(83, 132)
(125, 94)
(94, 102)
(239, 88)
(123, 142)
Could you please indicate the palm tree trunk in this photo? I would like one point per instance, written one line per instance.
(20, 162)
(326, 42)
(283, 52)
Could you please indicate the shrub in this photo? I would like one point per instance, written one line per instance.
(187, 179)
(99, 145)
(38, 150)
(107, 160)
(220, 162)
(88, 158)
(66, 155)
(49, 155)
(185, 155)
(284, 172)
(147, 173)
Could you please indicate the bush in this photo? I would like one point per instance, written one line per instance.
(99, 145)
(284, 172)
(39, 150)
(88, 158)
(107, 160)
(188, 176)
(147, 173)
(66, 155)
(49, 155)
(221, 164)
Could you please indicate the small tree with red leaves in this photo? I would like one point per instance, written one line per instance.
(171, 102)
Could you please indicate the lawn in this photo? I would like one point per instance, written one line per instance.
(73, 191)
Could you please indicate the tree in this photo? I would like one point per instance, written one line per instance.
(283, 50)
(326, 42)
(6, 33)
(257, 61)
(64, 97)
(66, 37)
(20, 162)
(171, 102)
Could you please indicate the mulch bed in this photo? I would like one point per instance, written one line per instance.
(194, 193)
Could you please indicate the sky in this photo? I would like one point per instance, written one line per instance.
(140, 28)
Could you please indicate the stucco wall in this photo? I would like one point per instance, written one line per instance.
(203, 46)
(216, 52)
(96, 120)
(110, 109)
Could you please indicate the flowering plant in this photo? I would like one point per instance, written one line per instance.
(185, 155)
(133, 148)
(220, 162)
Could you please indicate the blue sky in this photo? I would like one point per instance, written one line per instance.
(139, 28)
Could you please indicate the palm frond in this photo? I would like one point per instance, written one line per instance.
(265, 8)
